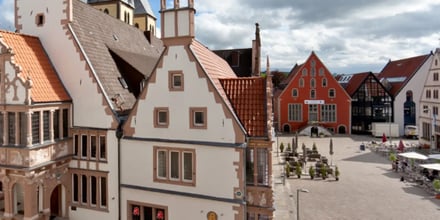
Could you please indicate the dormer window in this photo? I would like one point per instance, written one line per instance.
(175, 80)
(39, 19)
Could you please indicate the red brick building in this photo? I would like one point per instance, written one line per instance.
(311, 98)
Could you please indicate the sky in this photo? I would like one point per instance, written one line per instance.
(349, 36)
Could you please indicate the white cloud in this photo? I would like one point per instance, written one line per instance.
(348, 36)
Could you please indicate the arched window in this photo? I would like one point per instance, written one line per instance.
(295, 92)
(304, 72)
(324, 82)
(301, 83)
(313, 83)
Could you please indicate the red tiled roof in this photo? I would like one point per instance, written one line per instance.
(404, 68)
(35, 65)
(248, 98)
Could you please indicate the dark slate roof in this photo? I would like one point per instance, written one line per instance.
(244, 68)
(143, 7)
(399, 72)
(98, 34)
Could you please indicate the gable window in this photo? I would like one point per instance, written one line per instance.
(428, 94)
(295, 92)
(331, 93)
(313, 83)
(321, 71)
(435, 76)
(39, 20)
(324, 82)
(198, 118)
(304, 72)
(174, 165)
(301, 83)
(175, 80)
(161, 117)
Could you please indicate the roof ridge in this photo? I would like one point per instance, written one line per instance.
(18, 34)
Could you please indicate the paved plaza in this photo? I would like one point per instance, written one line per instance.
(367, 188)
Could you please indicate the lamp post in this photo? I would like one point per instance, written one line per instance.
(297, 200)
(390, 112)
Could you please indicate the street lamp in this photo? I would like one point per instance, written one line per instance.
(297, 200)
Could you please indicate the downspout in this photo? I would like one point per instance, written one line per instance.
(119, 135)
(244, 178)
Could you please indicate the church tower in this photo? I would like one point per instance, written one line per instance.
(120, 9)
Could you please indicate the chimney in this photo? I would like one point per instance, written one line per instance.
(177, 23)
(256, 52)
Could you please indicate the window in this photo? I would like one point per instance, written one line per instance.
(161, 117)
(39, 20)
(65, 123)
(435, 110)
(435, 94)
(89, 189)
(301, 82)
(257, 159)
(304, 72)
(198, 118)
(328, 113)
(46, 136)
(321, 71)
(84, 188)
(35, 127)
(1, 128)
(312, 83)
(331, 93)
(75, 145)
(11, 128)
(295, 92)
(93, 190)
(428, 94)
(102, 148)
(295, 112)
(84, 146)
(435, 76)
(324, 82)
(146, 212)
(312, 94)
(175, 80)
(92, 147)
(75, 187)
(56, 124)
(174, 165)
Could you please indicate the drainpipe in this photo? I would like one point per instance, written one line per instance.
(119, 135)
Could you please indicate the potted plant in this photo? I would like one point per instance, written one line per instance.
(312, 172)
(337, 173)
(298, 170)
(287, 170)
(436, 185)
(393, 159)
(324, 171)
(282, 147)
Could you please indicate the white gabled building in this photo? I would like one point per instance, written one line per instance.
(197, 144)
(429, 122)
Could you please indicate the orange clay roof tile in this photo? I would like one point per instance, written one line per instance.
(35, 65)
